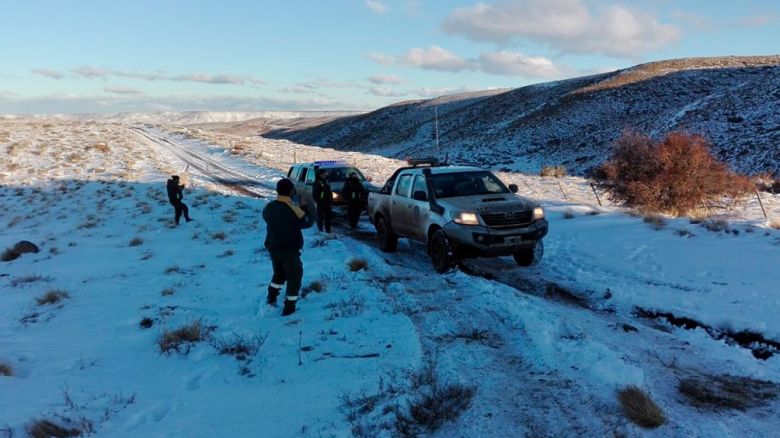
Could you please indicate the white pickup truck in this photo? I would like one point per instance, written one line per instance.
(458, 212)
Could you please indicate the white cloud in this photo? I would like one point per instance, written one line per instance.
(385, 92)
(760, 20)
(566, 25)
(516, 64)
(376, 6)
(49, 73)
(435, 58)
(381, 58)
(121, 89)
(385, 80)
(92, 72)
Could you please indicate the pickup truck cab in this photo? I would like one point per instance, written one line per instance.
(458, 212)
(303, 175)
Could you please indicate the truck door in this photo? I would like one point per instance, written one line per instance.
(400, 204)
(419, 209)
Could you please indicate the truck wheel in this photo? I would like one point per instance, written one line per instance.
(442, 255)
(388, 240)
(530, 256)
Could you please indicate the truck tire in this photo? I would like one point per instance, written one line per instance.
(530, 256)
(388, 240)
(442, 255)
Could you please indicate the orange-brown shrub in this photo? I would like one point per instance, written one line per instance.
(675, 175)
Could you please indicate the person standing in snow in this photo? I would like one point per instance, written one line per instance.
(323, 196)
(284, 241)
(354, 193)
(175, 195)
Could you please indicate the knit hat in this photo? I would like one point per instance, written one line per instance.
(284, 187)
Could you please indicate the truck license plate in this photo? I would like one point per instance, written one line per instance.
(514, 240)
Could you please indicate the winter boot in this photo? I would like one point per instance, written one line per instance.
(289, 307)
(273, 294)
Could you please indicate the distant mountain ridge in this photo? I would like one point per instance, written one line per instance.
(185, 117)
(733, 101)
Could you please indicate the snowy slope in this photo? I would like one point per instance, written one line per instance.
(541, 365)
(573, 122)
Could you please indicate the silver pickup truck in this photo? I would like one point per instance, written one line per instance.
(459, 212)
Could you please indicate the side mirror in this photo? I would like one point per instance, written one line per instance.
(513, 188)
(420, 195)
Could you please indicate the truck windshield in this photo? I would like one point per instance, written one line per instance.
(340, 174)
(450, 185)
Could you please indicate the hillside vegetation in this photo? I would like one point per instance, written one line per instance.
(574, 122)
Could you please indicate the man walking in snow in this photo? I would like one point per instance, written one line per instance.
(323, 196)
(175, 195)
(354, 193)
(284, 240)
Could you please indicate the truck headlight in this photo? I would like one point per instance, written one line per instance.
(538, 213)
(466, 219)
(336, 196)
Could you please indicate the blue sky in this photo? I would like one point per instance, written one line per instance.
(101, 56)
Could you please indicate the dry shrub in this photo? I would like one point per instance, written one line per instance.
(727, 392)
(655, 220)
(775, 224)
(136, 241)
(53, 296)
(6, 370)
(569, 214)
(675, 175)
(182, 338)
(168, 291)
(640, 408)
(219, 235)
(48, 429)
(314, 286)
(357, 265)
(553, 171)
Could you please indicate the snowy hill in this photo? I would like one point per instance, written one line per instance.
(730, 100)
(182, 117)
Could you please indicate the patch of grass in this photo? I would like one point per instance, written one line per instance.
(136, 241)
(237, 346)
(6, 370)
(168, 291)
(655, 220)
(569, 214)
(227, 253)
(684, 233)
(146, 322)
(49, 429)
(314, 286)
(727, 392)
(181, 339)
(775, 224)
(593, 213)
(355, 265)
(28, 279)
(172, 269)
(219, 235)
(640, 408)
(53, 296)
(553, 171)
(348, 307)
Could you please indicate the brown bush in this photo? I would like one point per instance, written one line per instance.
(553, 171)
(357, 265)
(6, 370)
(676, 175)
(48, 429)
(52, 297)
(640, 408)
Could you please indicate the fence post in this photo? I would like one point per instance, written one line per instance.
(593, 187)
(761, 204)
(564, 193)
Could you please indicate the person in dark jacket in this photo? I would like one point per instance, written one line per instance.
(284, 241)
(323, 197)
(354, 193)
(175, 196)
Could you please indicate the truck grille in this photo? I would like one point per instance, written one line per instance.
(508, 219)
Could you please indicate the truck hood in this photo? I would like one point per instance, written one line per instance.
(487, 203)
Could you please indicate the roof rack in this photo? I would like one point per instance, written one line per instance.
(419, 162)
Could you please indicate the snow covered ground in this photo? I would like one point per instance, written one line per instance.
(542, 363)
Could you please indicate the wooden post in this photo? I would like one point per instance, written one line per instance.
(593, 187)
(762, 205)
(564, 193)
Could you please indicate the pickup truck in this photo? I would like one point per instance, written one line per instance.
(458, 212)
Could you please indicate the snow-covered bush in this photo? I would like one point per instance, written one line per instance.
(675, 175)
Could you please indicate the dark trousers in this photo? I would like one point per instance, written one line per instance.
(324, 214)
(179, 208)
(287, 268)
(354, 209)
